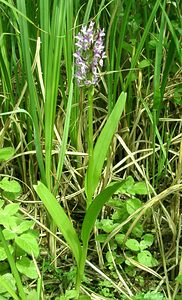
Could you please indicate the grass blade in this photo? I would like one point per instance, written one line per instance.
(32, 90)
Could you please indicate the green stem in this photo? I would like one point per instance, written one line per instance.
(12, 266)
(80, 271)
(90, 121)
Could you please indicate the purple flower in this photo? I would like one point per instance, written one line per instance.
(89, 54)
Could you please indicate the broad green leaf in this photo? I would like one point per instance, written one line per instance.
(9, 280)
(147, 241)
(94, 210)
(71, 294)
(110, 256)
(9, 222)
(24, 226)
(144, 63)
(146, 258)
(179, 279)
(140, 188)
(9, 234)
(106, 225)
(137, 230)
(27, 267)
(133, 245)
(84, 297)
(11, 209)
(101, 148)
(132, 205)
(101, 238)
(28, 243)
(119, 238)
(60, 218)
(6, 153)
(151, 296)
(130, 270)
(32, 295)
(127, 185)
(11, 186)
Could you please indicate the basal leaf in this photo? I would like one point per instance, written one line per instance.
(60, 218)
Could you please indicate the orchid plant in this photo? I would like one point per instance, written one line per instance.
(89, 57)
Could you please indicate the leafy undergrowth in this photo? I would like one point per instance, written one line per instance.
(126, 239)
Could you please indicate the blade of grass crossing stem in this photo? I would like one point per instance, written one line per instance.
(31, 85)
(52, 79)
(101, 148)
(60, 218)
(141, 43)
